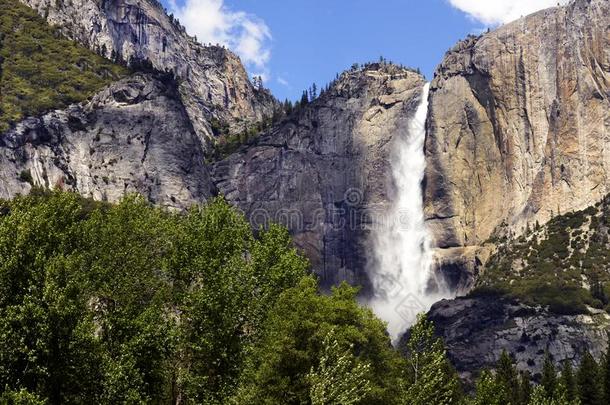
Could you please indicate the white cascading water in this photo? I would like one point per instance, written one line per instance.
(402, 269)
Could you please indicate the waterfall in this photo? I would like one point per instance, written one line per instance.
(402, 257)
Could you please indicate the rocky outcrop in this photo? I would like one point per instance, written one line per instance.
(324, 172)
(518, 129)
(213, 82)
(133, 136)
(477, 330)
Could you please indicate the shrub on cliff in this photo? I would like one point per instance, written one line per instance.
(564, 265)
(41, 70)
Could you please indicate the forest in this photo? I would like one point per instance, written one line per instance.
(129, 303)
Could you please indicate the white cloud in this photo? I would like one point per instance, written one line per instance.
(283, 81)
(212, 22)
(495, 12)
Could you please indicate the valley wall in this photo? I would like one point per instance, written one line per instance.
(518, 131)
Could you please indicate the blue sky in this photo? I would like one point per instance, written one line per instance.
(294, 43)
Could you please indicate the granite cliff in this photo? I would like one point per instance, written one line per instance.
(213, 81)
(518, 131)
(477, 330)
(324, 172)
(133, 136)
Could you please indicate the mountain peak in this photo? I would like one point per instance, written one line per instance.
(214, 83)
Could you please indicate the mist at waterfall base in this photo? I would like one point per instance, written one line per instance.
(402, 256)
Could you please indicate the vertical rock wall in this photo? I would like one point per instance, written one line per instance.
(519, 130)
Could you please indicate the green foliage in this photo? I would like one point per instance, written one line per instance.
(129, 303)
(430, 376)
(227, 142)
(489, 391)
(549, 376)
(328, 350)
(568, 380)
(40, 70)
(588, 382)
(508, 378)
(525, 388)
(293, 345)
(339, 378)
(26, 177)
(541, 397)
(548, 264)
(21, 397)
(506, 387)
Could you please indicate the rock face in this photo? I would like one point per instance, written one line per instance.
(134, 136)
(214, 83)
(325, 172)
(519, 129)
(477, 330)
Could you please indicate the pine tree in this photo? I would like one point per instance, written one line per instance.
(568, 381)
(313, 92)
(304, 98)
(587, 380)
(288, 107)
(508, 377)
(489, 391)
(561, 395)
(549, 376)
(540, 397)
(525, 388)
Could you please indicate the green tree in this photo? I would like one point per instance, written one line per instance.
(339, 378)
(489, 391)
(304, 99)
(549, 376)
(431, 379)
(540, 396)
(293, 343)
(129, 303)
(525, 388)
(234, 280)
(21, 397)
(587, 379)
(567, 380)
(507, 376)
(46, 346)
